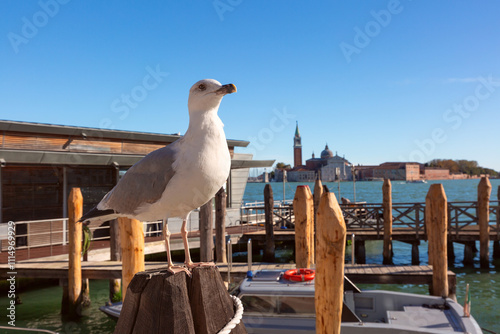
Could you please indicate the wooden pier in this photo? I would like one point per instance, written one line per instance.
(358, 273)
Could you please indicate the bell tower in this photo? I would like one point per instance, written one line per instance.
(297, 148)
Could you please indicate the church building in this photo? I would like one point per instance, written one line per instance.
(327, 167)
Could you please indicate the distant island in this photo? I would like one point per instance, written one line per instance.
(330, 167)
(437, 169)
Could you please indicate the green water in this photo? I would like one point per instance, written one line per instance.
(41, 307)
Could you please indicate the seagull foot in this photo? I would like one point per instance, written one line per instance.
(200, 264)
(177, 269)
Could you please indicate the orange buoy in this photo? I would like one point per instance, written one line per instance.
(299, 275)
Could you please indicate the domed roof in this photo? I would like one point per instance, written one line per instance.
(326, 153)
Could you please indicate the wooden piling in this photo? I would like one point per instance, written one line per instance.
(115, 255)
(360, 251)
(269, 224)
(329, 281)
(220, 226)
(483, 217)
(206, 233)
(436, 220)
(469, 252)
(318, 192)
(303, 208)
(387, 207)
(415, 255)
(132, 244)
(496, 243)
(75, 211)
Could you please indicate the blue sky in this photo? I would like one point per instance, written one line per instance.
(376, 80)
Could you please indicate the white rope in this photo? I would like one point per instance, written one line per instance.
(238, 314)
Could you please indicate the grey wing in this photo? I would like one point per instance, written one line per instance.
(143, 183)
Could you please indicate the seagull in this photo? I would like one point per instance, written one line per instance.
(178, 178)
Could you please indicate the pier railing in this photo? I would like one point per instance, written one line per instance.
(462, 217)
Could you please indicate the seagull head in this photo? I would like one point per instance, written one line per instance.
(206, 95)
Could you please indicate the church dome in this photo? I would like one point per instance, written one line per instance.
(326, 153)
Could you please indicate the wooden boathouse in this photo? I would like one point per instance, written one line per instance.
(40, 163)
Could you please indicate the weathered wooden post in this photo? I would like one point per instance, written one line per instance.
(269, 223)
(496, 243)
(115, 255)
(303, 208)
(436, 219)
(387, 206)
(75, 211)
(206, 232)
(483, 220)
(132, 243)
(220, 226)
(160, 302)
(329, 281)
(318, 192)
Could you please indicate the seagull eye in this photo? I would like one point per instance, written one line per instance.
(202, 87)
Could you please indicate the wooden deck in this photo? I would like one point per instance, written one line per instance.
(359, 273)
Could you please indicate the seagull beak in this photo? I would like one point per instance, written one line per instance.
(226, 89)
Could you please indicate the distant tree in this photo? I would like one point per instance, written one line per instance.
(469, 167)
(283, 166)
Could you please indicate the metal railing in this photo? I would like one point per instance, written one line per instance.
(34, 235)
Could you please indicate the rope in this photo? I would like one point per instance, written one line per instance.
(238, 314)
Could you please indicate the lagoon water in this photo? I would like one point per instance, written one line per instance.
(41, 307)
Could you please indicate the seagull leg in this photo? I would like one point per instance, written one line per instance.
(170, 265)
(188, 262)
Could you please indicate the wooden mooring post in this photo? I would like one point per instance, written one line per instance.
(220, 226)
(115, 255)
(387, 207)
(75, 211)
(206, 233)
(132, 244)
(269, 224)
(496, 244)
(436, 221)
(318, 192)
(329, 280)
(483, 220)
(303, 208)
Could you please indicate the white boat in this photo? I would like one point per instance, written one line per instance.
(417, 181)
(275, 305)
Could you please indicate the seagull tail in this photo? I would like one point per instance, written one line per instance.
(101, 215)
